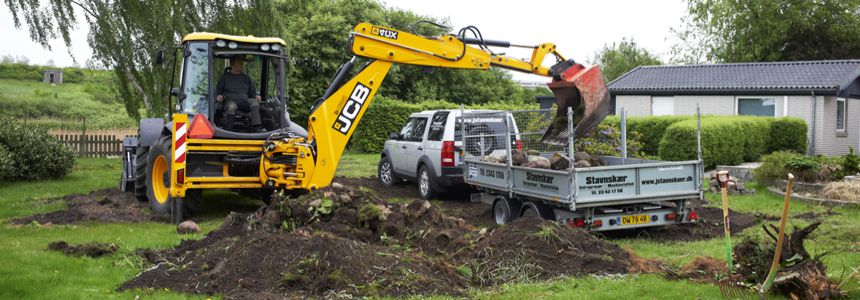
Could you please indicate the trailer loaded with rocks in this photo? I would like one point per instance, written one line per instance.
(525, 174)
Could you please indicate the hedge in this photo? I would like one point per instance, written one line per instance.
(651, 129)
(386, 115)
(787, 134)
(730, 140)
(34, 153)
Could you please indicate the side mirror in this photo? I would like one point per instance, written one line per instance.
(159, 57)
(394, 136)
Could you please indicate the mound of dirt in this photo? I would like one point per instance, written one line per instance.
(710, 225)
(88, 249)
(534, 249)
(104, 206)
(346, 241)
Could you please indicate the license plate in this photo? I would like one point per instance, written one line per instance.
(634, 220)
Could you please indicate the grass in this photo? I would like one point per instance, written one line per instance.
(358, 165)
(28, 270)
(63, 105)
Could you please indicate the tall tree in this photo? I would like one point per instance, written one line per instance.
(616, 59)
(769, 30)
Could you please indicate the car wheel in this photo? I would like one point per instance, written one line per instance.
(425, 187)
(503, 212)
(385, 172)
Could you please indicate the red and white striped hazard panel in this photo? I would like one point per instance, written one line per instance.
(179, 142)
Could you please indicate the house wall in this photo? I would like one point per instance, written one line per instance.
(826, 140)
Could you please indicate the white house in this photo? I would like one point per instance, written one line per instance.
(824, 93)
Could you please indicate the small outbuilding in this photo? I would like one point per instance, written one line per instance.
(53, 76)
(824, 93)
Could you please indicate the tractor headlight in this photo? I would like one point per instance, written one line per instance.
(220, 43)
(276, 47)
(264, 47)
(232, 45)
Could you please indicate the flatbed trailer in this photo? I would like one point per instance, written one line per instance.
(623, 193)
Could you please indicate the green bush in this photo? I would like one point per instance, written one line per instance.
(34, 153)
(6, 163)
(605, 139)
(650, 128)
(36, 73)
(788, 134)
(773, 166)
(727, 140)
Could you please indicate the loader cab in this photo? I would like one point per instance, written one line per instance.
(206, 58)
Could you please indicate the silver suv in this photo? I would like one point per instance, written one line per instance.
(427, 150)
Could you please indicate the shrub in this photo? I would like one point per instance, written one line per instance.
(773, 166)
(849, 163)
(6, 163)
(788, 134)
(34, 153)
(605, 139)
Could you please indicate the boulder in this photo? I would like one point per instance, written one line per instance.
(187, 227)
(535, 161)
(518, 158)
(580, 155)
(559, 162)
(582, 164)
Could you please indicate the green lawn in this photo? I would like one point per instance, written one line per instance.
(28, 270)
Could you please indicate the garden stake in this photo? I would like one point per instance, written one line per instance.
(779, 241)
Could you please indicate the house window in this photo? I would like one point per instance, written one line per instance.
(662, 106)
(757, 107)
(840, 114)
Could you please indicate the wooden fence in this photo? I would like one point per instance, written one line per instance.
(93, 145)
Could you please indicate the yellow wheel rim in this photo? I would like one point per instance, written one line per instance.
(159, 187)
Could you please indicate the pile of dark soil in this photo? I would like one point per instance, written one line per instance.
(710, 225)
(88, 249)
(347, 241)
(104, 206)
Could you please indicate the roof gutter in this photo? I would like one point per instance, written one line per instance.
(811, 143)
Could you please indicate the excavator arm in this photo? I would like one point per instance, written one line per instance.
(334, 117)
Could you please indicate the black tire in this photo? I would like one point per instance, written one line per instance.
(504, 211)
(193, 202)
(533, 209)
(425, 184)
(141, 157)
(159, 205)
(385, 172)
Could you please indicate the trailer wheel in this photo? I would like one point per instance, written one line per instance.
(158, 176)
(533, 209)
(504, 210)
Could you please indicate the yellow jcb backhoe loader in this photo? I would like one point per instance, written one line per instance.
(169, 163)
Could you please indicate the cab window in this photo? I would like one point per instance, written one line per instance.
(195, 84)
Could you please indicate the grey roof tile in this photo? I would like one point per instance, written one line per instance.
(740, 77)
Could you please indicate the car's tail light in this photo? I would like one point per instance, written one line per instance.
(200, 128)
(447, 154)
(694, 216)
(519, 144)
(597, 223)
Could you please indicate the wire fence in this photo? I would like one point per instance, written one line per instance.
(493, 135)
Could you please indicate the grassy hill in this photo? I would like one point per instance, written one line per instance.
(86, 94)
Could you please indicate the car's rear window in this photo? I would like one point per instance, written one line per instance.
(437, 126)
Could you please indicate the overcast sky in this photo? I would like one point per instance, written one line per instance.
(578, 28)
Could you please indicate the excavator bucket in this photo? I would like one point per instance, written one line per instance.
(582, 89)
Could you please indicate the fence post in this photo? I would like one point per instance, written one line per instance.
(83, 139)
